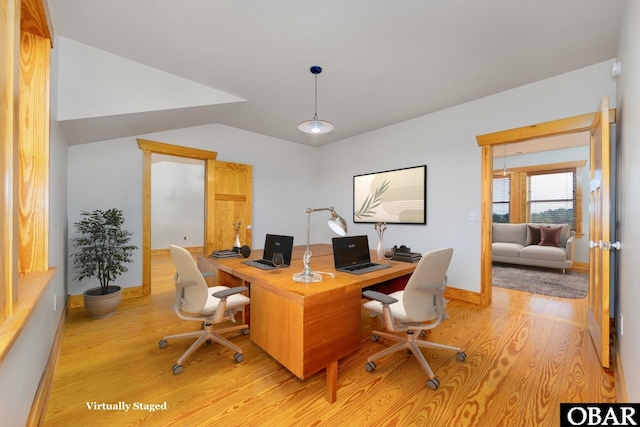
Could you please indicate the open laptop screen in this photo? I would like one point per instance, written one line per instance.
(274, 243)
(351, 250)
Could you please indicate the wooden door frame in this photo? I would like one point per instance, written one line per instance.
(566, 126)
(148, 148)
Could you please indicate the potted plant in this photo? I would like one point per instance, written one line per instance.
(102, 252)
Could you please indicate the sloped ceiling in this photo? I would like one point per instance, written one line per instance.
(162, 64)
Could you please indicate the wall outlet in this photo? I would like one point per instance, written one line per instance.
(473, 216)
(55, 302)
(621, 324)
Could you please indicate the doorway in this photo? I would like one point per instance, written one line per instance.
(487, 143)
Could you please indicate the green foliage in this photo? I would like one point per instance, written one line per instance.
(372, 201)
(501, 218)
(103, 247)
(554, 216)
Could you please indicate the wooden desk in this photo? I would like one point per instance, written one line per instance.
(306, 327)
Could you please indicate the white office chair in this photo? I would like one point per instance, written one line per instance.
(208, 305)
(407, 311)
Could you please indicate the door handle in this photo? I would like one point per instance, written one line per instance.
(609, 245)
(593, 244)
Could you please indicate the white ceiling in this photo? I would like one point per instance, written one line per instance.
(384, 61)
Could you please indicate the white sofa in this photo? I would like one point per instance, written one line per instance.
(520, 244)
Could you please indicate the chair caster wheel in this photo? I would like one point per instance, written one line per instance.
(238, 357)
(245, 331)
(370, 366)
(423, 334)
(461, 356)
(375, 338)
(208, 342)
(163, 344)
(433, 383)
(177, 369)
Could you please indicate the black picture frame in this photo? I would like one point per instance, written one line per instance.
(397, 196)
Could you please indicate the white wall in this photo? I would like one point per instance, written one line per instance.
(106, 175)
(629, 197)
(446, 142)
(177, 202)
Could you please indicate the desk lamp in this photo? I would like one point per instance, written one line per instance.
(338, 225)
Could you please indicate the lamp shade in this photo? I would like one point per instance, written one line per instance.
(337, 224)
(315, 126)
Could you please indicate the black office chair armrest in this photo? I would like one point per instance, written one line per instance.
(378, 296)
(231, 291)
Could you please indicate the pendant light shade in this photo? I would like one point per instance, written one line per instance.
(315, 126)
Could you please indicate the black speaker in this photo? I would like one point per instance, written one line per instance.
(245, 251)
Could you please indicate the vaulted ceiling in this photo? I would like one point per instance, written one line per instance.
(246, 63)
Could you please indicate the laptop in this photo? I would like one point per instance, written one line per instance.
(273, 243)
(351, 255)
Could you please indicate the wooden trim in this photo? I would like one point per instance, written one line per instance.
(33, 163)
(146, 222)
(77, 301)
(176, 150)
(195, 250)
(39, 406)
(30, 290)
(463, 295)
(486, 225)
(9, 59)
(580, 267)
(569, 125)
(36, 19)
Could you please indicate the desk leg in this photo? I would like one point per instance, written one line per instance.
(332, 381)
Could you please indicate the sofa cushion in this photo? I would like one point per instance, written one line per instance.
(510, 233)
(533, 234)
(547, 253)
(506, 249)
(549, 236)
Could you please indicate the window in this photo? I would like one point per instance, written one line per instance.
(546, 194)
(501, 199)
(551, 198)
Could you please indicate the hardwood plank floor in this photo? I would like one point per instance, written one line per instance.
(527, 353)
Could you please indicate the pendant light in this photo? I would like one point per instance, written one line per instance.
(504, 160)
(315, 126)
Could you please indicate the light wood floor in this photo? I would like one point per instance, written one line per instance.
(526, 354)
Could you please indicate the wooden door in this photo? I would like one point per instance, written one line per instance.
(228, 189)
(600, 233)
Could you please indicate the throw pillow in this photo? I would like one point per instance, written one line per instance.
(533, 235)
(549, 236)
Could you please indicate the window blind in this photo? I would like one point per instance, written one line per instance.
(551, 198)
(501, 199)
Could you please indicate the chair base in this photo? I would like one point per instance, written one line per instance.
(411, 342)
(208, 334)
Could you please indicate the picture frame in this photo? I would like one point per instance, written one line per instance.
(397, 196)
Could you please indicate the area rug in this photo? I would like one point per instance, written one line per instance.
(545, 281)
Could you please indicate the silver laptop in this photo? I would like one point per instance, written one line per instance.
(273, 243)
(351, 255)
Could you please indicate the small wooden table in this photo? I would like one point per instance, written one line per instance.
(305, 327)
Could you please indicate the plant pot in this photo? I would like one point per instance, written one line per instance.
(100, 306)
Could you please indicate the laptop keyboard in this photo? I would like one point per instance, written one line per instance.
(359, 267)
(265, 262)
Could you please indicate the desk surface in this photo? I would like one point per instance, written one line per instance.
(306, 326)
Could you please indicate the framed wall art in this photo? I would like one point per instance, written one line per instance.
(396, 197)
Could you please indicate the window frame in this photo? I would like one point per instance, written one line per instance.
(518, 177)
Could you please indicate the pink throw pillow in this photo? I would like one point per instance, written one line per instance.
(550, 236)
